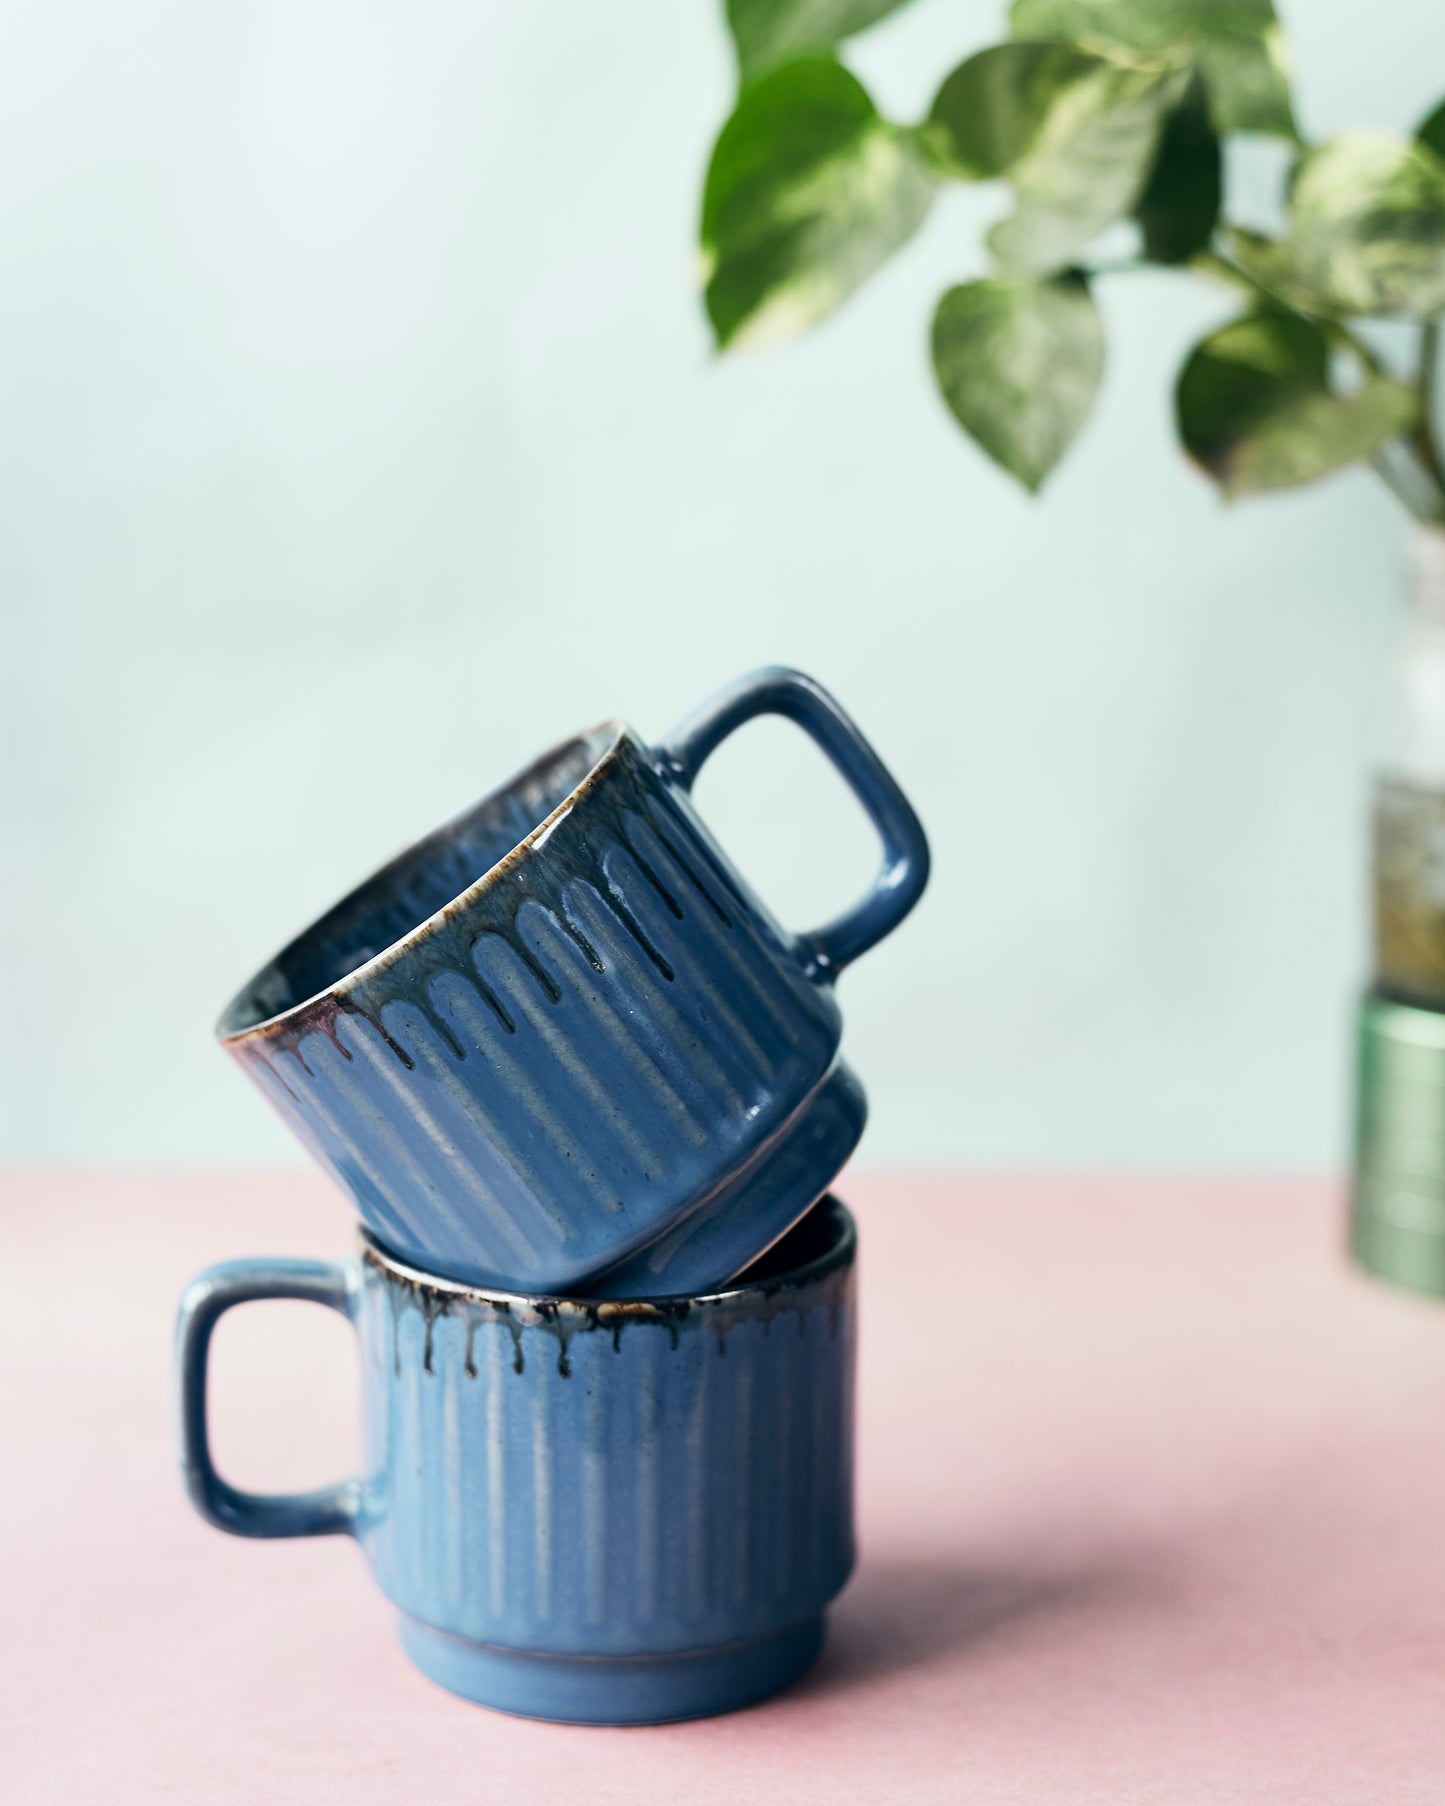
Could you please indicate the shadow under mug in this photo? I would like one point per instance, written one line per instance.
(606, 1513)
(560, 1044)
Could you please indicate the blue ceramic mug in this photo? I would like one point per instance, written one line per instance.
(609, 1513)
(560, 1045)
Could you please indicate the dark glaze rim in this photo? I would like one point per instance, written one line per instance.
(609, 736)
(547, 1308)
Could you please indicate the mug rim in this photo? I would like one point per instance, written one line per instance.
(838, 1255)
(609, 735)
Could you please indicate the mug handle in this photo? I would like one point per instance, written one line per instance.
(904, 872)
(329, 1511)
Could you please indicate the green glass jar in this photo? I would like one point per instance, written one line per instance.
(1409, 813)
(1398, 1214)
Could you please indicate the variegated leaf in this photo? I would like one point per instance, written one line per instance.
(1019, 361)
(1254, 406)
(808, 191)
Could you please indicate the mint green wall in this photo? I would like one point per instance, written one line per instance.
(360, 436)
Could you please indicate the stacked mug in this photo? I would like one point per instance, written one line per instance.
(587, 1096)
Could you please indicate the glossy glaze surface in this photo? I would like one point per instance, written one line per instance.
(563, 1028)
(761, 1202)
(618, 1512)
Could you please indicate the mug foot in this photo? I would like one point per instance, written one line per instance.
(757, 1207)
(618, 1690)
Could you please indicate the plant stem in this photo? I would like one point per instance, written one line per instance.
(1421, 450)
(1214, 263)
(1398, 470)
(1426, 446)
(1388, 475)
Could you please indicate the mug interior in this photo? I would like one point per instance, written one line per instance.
(416, 885)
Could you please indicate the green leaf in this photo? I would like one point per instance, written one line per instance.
(1093, 146)
(1432, 132)
(1254, 406)
(993, 108)
(807, 193)
(1019, 362)
(1180, 203)
(1263, 260)
(1238, 43)
(1366, 232)
(769, 32)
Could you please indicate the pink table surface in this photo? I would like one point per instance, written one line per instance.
(1152, 1510)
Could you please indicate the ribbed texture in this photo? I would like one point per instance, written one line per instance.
(622, 1489)
(550, 1105)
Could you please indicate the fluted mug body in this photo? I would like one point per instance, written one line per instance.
(612, 1512)
(561, 1045)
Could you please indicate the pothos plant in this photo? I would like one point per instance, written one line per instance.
(1105, 120)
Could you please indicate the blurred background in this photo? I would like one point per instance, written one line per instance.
(361, 438)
